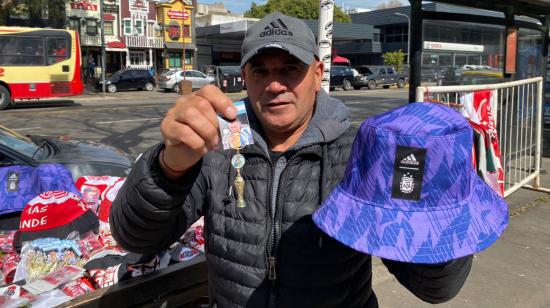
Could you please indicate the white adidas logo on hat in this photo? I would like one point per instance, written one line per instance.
(410, 160)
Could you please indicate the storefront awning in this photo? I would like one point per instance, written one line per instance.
(171, 45)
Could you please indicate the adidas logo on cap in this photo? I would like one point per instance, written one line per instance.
(276, 27)
(410, 160)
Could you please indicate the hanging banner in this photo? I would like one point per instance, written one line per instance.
(326, 14)
(511, 50)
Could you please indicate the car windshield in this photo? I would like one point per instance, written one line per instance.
(18, 142)
(364, 70)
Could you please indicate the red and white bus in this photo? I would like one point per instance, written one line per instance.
(38, 63)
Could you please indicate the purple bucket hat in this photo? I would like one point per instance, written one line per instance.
(410, 192)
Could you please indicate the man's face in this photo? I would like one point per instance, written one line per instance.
(282, 89)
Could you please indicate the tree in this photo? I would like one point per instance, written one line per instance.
(304, 9)
(35, 10)
(395, 59)
(389, 4)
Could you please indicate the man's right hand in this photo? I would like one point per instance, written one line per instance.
(190, 129)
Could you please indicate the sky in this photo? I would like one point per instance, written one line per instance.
(240, 6)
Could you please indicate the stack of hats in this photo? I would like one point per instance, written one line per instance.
(410, 192)
(54, 214)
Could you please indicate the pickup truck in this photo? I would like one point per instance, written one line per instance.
(374, 76)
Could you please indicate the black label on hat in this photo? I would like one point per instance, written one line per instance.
(408, 173)
(13, 182)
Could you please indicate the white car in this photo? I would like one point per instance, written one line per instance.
(169, 80)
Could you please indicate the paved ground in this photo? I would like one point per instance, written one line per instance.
(515, 272)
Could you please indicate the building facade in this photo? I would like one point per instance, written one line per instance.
(83, 16)
(175, 21)
(140, 33)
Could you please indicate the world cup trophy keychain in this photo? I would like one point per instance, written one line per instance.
(235, 135)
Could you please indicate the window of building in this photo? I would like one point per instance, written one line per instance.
(137, 58)
(150, 28)
(127, 27)
(91, 27)
(188, 58)
(74, 24)
(174, 60)
(108, 27)
(138, 26)
(186, 31)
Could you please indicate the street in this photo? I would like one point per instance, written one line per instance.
(130, 120)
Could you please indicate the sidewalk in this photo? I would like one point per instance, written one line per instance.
(514, 272)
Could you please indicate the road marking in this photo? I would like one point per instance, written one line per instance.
(27, 128)
(133, 120)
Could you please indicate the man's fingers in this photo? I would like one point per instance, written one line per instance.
(182, 134)
(202, 126)
(218, 100)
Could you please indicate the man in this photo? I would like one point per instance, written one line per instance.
(268, 253)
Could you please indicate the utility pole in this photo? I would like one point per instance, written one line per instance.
(103, 56)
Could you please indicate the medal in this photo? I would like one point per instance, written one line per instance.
(238, 161)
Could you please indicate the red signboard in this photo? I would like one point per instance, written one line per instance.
(83, 5)
(183, 15)
(511, 50)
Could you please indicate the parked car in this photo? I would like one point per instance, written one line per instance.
(79, 156)
(374, 76)
(229, 79)
(127, 79)
(341, 76)
(169, 80)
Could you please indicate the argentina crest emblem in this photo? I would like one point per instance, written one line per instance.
(407, 183)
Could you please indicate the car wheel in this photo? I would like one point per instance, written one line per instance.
(176, 88)
(347, 85)
(149, 86)
(5, 98)
(111, 88)
(371, 84)
(401, 83)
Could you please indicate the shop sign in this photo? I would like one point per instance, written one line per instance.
(174, 32)
(84, 5)
(139, 5)
(453, 46)
(182, 15)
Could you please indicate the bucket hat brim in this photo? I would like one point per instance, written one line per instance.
(428, 237)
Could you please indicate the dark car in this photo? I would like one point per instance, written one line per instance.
(374, 76)
(79, 156)
(127, 79)
(341, 76)
(229, 78)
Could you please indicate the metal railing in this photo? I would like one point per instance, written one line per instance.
(143, 41)
(88, 40)
(518, 113)
(140, 66)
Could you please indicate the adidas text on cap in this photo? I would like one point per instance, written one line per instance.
(280, 31)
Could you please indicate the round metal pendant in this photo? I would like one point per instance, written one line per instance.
(237, 161)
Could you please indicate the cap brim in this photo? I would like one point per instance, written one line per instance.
(84, 223)
(417, 237)
(296, 51)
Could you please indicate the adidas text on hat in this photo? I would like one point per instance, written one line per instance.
(279, 31)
